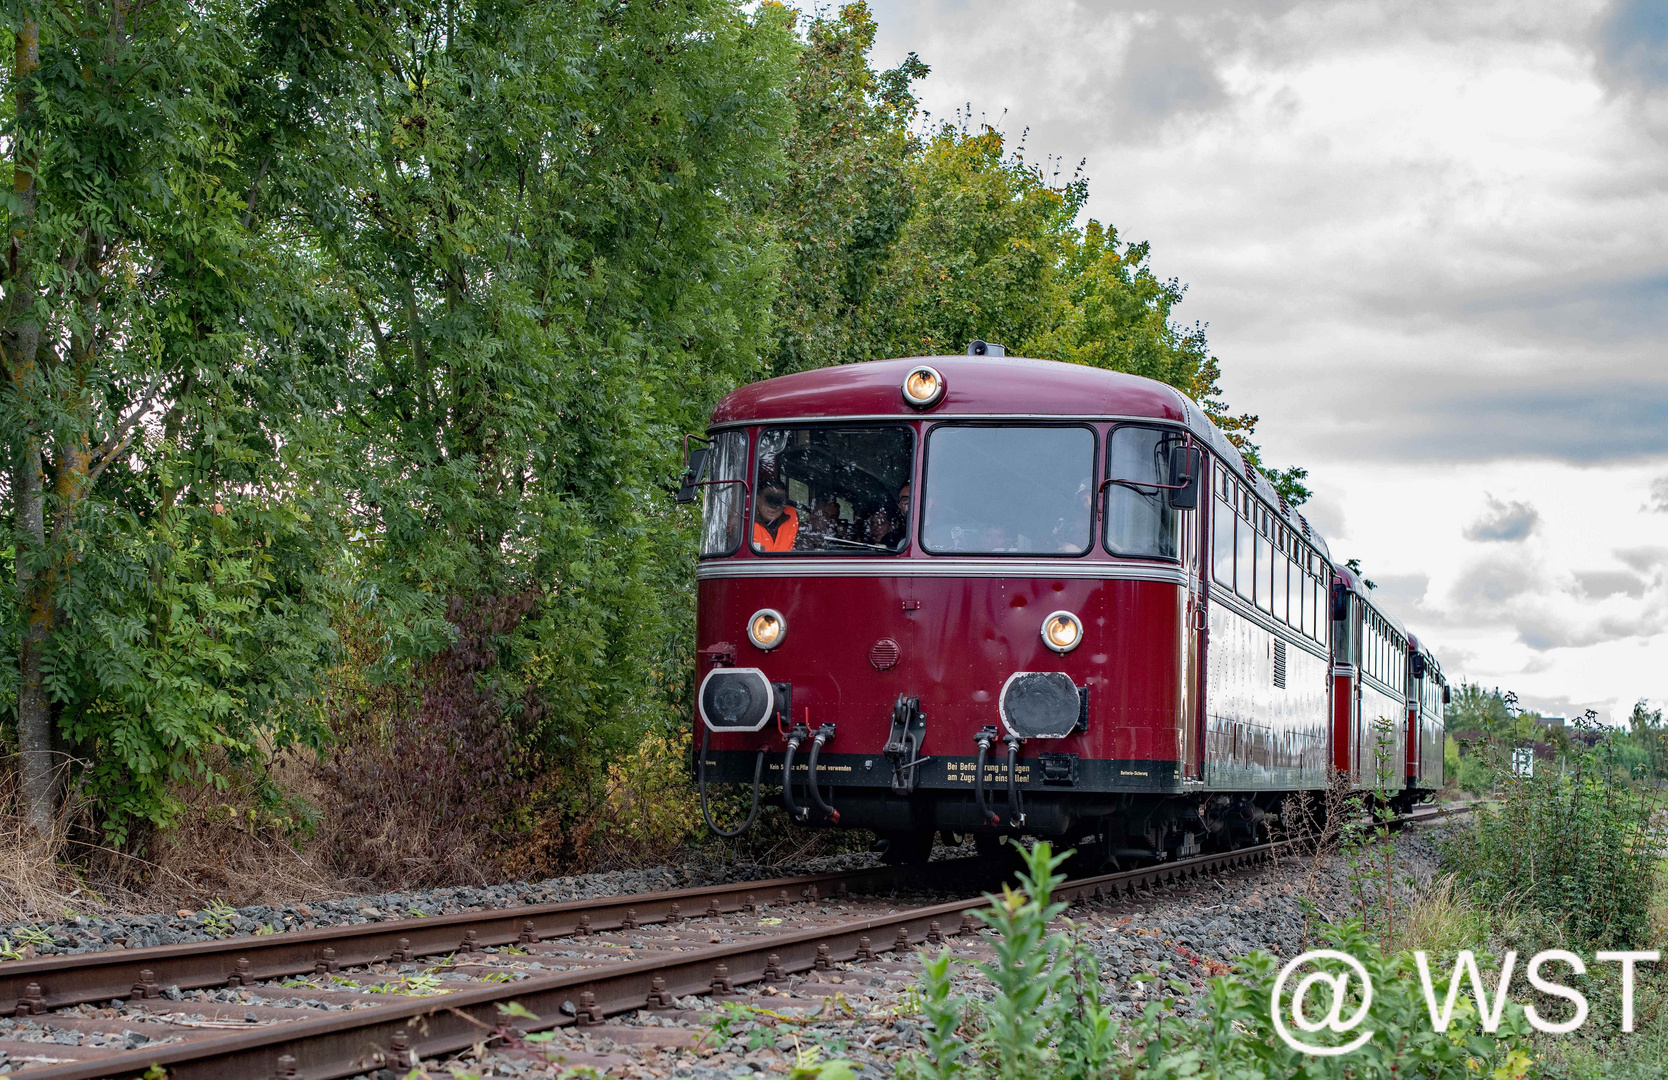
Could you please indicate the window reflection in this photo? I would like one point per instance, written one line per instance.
(1008, 490)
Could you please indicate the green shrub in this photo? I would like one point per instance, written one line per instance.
(1575, 843)
(1049, 1018)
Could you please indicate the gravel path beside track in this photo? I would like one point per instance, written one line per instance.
(81, 933)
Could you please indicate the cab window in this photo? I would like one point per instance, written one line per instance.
(833, 490)
(1139, 518)
(724, 498)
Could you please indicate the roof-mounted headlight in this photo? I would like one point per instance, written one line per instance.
(767, 628)
(923, 387)
(1062, 632)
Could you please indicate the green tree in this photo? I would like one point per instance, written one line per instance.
(550, 224)
(158, 412)
(845, 195)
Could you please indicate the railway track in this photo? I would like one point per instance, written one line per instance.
(362, 1003)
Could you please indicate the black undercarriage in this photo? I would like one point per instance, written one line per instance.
(1113, 813)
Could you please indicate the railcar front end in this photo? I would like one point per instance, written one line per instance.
(984, 595)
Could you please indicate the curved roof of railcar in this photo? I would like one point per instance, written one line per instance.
(1357, 585)
(1006, 386)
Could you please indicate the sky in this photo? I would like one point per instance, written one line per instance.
(1429, 241)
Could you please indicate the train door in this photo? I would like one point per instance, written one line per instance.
(1191, 741)
(1346, 681)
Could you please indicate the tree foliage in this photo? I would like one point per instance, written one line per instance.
(333, 331)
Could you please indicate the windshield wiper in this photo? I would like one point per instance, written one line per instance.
(855, 543)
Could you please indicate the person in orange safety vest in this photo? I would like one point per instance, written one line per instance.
(775, 523)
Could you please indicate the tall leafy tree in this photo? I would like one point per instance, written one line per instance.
(549, 223)
(846, 193)
(153, 411)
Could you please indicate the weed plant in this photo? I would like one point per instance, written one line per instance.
(1050, 1017)
(1577, 842)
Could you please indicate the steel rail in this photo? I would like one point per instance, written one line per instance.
(401, 1035)
(35, 986)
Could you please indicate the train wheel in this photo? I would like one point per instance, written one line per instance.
(909, 848)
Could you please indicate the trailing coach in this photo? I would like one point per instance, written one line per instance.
(989, 595)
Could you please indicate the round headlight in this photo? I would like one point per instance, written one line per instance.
(767, 628)
(923, 386)
(1062, 632)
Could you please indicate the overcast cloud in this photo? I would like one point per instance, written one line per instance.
(1430, 241)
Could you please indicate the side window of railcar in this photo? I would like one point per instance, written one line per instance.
(1008, 490)
(1300, 591)
(1139, 518)
(833, 490)
(722, 504)
(1265, 561)
(1222, 530)
(1245, 550)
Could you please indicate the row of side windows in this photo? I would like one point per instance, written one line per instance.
(1257, 556)
(1383, 651)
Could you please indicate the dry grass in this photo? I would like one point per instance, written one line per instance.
(228, 846)
(1442, 921)
(221, 848)
(33, 878)
(237, 846)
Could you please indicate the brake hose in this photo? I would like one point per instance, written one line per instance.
(794, 739)
(1015, 814)
(990, 816)
(701, 783)
(824, 734)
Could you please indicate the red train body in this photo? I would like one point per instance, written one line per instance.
(989, 594)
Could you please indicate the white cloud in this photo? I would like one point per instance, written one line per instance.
(1511, 522)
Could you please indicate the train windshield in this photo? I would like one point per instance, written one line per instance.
(1139, 518)
(1002, 490)
(833, 490)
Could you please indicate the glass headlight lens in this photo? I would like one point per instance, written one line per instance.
(767, 628)
(1062, 632)
(923, 386)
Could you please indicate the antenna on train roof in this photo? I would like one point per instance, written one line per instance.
(986, 348)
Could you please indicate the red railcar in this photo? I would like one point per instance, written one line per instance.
(984, 594)
(1426, 726)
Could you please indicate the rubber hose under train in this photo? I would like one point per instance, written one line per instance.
(824, 734)
(701, 785)
(988, 815)
(795, 737)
